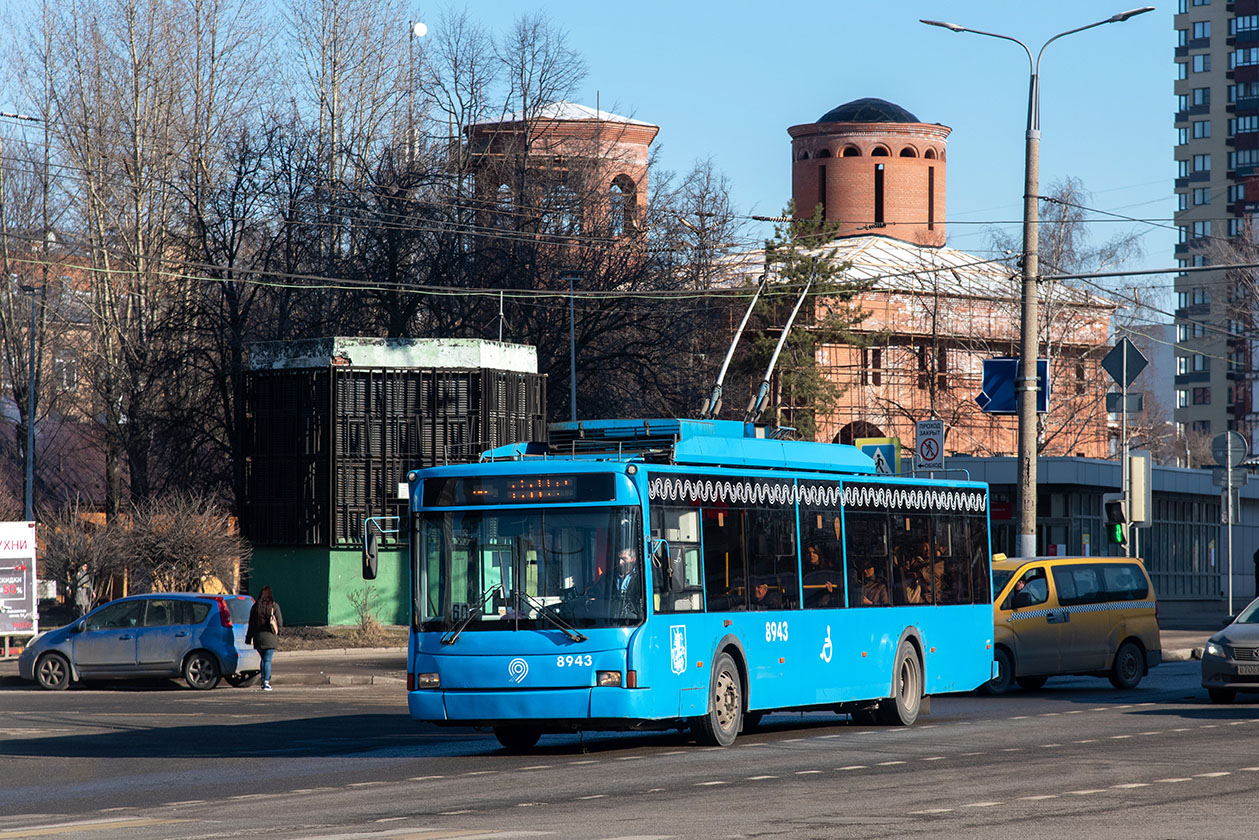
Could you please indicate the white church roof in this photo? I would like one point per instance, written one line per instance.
(564, 110)
(896, 266)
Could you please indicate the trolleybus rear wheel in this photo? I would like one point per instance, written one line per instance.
(901, 709)
(721, 725)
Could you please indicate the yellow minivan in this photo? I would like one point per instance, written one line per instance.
(1072, 615)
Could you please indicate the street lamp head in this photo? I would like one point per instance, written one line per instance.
(418, 29)
(1122, 16)
(951, 26)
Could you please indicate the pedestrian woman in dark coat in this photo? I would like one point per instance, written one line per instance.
(265, 621)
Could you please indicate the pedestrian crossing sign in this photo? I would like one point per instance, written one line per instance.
(886, 453)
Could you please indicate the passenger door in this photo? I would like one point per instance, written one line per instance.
(108, 640)
(1086, 636)
(1037, 629)
(166, 635)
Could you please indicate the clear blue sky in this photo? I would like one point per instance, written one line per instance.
(725, 80)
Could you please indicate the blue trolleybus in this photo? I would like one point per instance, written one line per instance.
(669, 573)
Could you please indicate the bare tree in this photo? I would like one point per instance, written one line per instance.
(82, 552)
(185, 543)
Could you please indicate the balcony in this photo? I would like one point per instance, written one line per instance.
(1193, 377)
(1247, 103)
(1247, 36)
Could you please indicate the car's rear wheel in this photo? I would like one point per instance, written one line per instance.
(201, 671)
(1222, 695)
(52, 672)
(242, 680)
(1031, 683)
(518, 738)
(1126, 670)
(1001, 683)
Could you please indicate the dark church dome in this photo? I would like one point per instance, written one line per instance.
(869, 110)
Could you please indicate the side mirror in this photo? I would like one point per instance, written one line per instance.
(371, 554)
(78, 626)
(1229, 619)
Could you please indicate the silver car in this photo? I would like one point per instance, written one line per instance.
(163, 634)
(1230, 660)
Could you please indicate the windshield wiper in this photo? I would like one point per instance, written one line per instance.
(451, 637)
(553, 618)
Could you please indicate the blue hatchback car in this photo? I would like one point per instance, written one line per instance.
(162, 634)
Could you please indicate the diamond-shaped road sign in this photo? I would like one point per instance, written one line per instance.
(1124, 362)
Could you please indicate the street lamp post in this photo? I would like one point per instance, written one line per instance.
(30, 415)
(1026, 384)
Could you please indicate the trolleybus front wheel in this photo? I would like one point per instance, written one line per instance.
(721, 725)
(517, 738)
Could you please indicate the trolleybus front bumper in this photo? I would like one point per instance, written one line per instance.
(568, 704)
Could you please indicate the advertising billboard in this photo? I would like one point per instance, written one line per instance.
(17, 579)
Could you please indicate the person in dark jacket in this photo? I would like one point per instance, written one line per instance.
(265, 621)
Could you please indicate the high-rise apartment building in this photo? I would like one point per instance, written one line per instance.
(1217, 182)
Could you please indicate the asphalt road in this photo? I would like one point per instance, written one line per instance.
(1075, 759)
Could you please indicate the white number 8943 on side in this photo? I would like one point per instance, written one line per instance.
(573, 661)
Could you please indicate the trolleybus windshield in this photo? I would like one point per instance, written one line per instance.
(500, 569)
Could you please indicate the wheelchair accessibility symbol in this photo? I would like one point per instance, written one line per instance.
(827, 649)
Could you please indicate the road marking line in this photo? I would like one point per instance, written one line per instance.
(469, 773)
(1038, 797)
(530, 767)
(933, 811)
(788, 741)
(78, 827)
(457, 813)
(934, 758)
(628, 757)
(1020, 717)
(1049, 746)
(1013, 749)
(1085, 792)
(1119, 737)
(673, 752)
(591, 761)
(760, 778)
(828, 736)
(1214, 775)
(810, 772)
(1130, 785)
(1237, 723)
(529, 804)
(1151, 733)
(1049, 714)
(370, 784)
(854, 767)
(709, 784)
(242, 797)
(426, 778)
(889, 763)
(981, 804)
(195, 802)
(1209, 726)
(1074, 712)
(967, 755)
(593, 796)
(1182, 729)
(1170, 781)
(1087, 741)
(1248, 769)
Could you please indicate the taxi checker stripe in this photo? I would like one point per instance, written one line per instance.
(1023, 615)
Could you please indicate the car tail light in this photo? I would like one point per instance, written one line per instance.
(225, 616)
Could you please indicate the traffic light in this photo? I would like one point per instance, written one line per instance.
(1116, 508)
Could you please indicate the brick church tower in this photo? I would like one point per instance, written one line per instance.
(875, 169)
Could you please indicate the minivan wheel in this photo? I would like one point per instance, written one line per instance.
(201, 671)
(1000, 684)
(1126, 670)
(52, 672)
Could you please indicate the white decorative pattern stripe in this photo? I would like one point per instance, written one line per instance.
(743, 491)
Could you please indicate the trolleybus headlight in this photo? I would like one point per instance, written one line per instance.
(608, 678)
(1216, 649)
(427, 681)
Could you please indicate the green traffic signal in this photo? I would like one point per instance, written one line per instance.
(1117, 535)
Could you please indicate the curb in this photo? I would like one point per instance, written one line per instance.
(317, 652)
(340, 680)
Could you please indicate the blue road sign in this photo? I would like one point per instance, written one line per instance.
(997, 395)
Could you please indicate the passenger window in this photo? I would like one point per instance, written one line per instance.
(1078, 584)
(1030, 589)
(676, 582)
(196, 611)
(915, 560)
(162, 613)
(1124, 582)
(822, 559)
(867, 546)
(117, 616)
(980, 559)
(771, 535)
(723, 560)
(953, 582)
